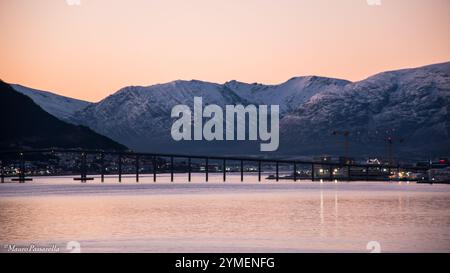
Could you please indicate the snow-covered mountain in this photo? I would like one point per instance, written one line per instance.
(59, 106)
(409, 104)
(288, 95)
(140, 116)
(412, 105)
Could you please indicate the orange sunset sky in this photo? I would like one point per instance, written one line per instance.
(91, 50)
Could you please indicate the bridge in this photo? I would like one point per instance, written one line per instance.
(315, 170)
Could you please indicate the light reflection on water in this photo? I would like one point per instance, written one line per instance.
(232, 216)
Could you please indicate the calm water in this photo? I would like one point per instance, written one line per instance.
(225, 217)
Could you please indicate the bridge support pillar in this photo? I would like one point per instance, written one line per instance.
(22, 178)
(154, 168)
(349, 175)
(276, 175)
(22, 169)
(206, 169)
(224, 170)
(120, 168)
(2, 172)
(295, 171)
(189, 169)
(137, 168)
(83, 170)
(242, 171)
(259, 171)
(171, 169)
(102, 166)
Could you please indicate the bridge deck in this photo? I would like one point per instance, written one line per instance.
(363, 170)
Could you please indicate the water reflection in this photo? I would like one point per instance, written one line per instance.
(260, 217)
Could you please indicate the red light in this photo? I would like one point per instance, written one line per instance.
(442, 161)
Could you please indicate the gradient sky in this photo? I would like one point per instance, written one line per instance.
(92, 50)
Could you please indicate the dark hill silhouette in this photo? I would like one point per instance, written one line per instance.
(25, 125)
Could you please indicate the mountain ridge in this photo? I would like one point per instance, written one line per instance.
(27, 126)
(412, 101)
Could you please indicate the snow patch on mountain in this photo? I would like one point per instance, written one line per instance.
(59, 106)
